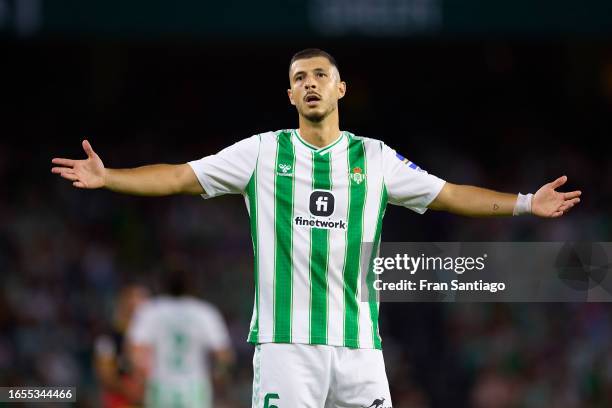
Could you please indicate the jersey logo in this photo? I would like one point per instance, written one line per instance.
(284, 170)
(357, 175)
(377, 403)
(321, 206)
(322, 203)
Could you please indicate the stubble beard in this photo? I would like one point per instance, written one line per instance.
(317, 117)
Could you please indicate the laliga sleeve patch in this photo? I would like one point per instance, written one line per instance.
(407, 162)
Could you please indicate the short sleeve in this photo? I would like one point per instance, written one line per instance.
(216, 330)
(142, 326)
(407, 184)
(228, 171)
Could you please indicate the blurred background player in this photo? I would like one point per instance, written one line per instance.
(175, 342)
(119, 387)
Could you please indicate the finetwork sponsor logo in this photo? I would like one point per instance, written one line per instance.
(322, 203)
(317, 223)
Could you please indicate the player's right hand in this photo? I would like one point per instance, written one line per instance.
(88, 173)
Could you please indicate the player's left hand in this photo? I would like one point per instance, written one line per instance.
(549, 203)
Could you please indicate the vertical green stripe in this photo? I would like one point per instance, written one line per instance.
(319, 257)
(283, 237)
(357, 193)
(372, 298)
(251, 191)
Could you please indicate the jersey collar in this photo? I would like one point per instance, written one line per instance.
(320, 150)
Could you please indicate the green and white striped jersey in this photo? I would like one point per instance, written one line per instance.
(311, 209)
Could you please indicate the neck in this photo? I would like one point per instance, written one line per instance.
(322, 133)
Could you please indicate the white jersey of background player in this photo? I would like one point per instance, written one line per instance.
(172, 339)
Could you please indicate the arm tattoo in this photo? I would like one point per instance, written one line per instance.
(495, 207)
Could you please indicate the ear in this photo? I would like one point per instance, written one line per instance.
(290, 94)
(341, 89)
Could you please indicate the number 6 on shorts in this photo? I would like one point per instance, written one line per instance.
(267, 399)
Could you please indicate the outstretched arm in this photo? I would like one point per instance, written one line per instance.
(153, 180)
(480, 202)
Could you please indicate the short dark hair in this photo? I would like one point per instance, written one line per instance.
(312, 53)
(178, 282)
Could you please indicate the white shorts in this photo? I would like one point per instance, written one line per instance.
(318, 376)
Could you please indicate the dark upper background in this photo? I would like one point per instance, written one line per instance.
(506, 95)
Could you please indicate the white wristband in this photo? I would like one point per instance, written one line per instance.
(523, 204)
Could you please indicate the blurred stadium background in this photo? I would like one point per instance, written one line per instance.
(504, 94)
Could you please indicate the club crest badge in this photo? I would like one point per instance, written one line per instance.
(357, 175)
